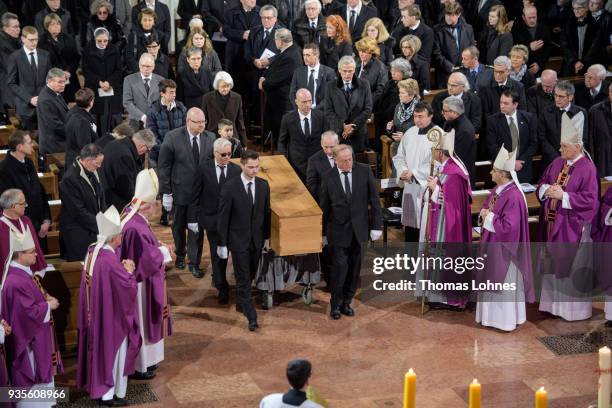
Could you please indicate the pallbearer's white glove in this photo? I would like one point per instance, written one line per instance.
(324, 241)
(222, 252)
(266, 246)
(193, 227)
(375, 235)
(167, 202)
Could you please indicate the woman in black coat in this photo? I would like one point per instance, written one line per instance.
(162, 62)
(410, 46)
(102, 16)
(337, 44)
(496, 38)
(103, 70)
(375, 28)
(62, 51)
(194, 81)
(136, 46)
(370, 68)
(519, 55)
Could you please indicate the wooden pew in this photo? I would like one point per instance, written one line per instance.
(5, 132)
(53, 239)
(386, 163)
(50, 184)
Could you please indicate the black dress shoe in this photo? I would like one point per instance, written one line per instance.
(335, 314)
(196, 271)
(120, 402)
(179, 263)
(238, 308)
(347, 310)
(142, 376)
(253, 325)
(223, 298)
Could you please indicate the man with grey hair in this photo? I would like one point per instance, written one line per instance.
(582, 41)
(459, 86)
(123, 159)
(453, 111)
(320, 162)
(51, 112)
(594, 89)
(541, 95)
(348, 105)
(140, 90)
(310, 26)
(9, 43)
(204, 207)
(276, 82)
(261, 48)
(549, 127)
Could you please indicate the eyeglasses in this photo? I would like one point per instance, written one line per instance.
(199, 122)
(224, 154)
(23, 204)
(561, 96)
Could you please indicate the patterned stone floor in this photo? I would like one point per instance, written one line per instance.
(212, 360)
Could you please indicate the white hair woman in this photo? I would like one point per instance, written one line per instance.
(222, 103)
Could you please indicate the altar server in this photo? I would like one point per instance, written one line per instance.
(109, 337)
(568, 192)
(150, 256)
(34, 356)
(505, 244)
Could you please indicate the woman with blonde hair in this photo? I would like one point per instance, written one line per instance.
(375, 28)
(337, 42)
(410, 46)
(210, 59)
(370, 68)
(519, 55)
(496, 38)
(404, 110)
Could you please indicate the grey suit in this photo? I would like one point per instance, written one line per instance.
(177, 171)
(300, 80)
(135, 98)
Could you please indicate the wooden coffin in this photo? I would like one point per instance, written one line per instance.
(296, 217)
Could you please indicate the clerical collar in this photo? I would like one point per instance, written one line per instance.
(566, 108)
(26, 269)
(425, 129)
(501, 188)
(573, 161)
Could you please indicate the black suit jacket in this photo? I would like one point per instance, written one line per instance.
(214, 13)
(425, 34)
(176, 167)
(256, 45)
(490, 95)
(549, 130)
(294, 143)
(236, 22)
(498, 134)
(343, 219)
(538, 100)
(356, 110)
(481, 79)
(278, 77)
(465, 143)
(300, 80)
(239, 222)
(593, 47)
(446, 54)
(186, 9)
(120, 167)
(583, 97)
(204, 207)
(471, 104)
(304, 34)
(522, 36)
(23, 82)
(162, 24)
(366, 13)
(51, 114)
(318, 165)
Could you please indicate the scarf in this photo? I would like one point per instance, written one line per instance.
(517, 76)
(406, 110)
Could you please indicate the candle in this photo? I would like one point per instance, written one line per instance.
(541, 398)
(409, 389)
(603, 396)
(475, 394)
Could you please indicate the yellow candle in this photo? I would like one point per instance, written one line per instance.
(475, 396)
(409, 389)
(541, 398)
(605, 362)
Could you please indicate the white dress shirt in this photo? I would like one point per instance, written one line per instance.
(350, 177)
(218, 170)
(191, 140)
(348, 12)
(315, 75)
(302, 116)
(245, 183)
(28, 52)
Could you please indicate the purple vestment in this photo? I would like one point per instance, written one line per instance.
(24, 308)
(602, 236)
(567, 228)
(457, 200)
(510, 241)
(110, 298)
(601, 231)
(141, 246)
(40, 264)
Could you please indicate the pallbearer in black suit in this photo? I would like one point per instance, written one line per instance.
(204, 209)
(516, 130)
(244, 227)
(346, 193)
(300, 132)
(321, 162)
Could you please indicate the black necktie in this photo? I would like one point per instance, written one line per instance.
(347, 92)
(347, 185)
(147, 87)
(195, 150)
(250, 193)
(306, 128)
(313, 26)
(352, 21)
(222, 175)
(266, 33)
(310, 84)
(33, 63)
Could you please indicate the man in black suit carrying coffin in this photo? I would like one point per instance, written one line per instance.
(346, 192)
(321, 162)
(300, 133)
(244, 227)
(212, 174)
